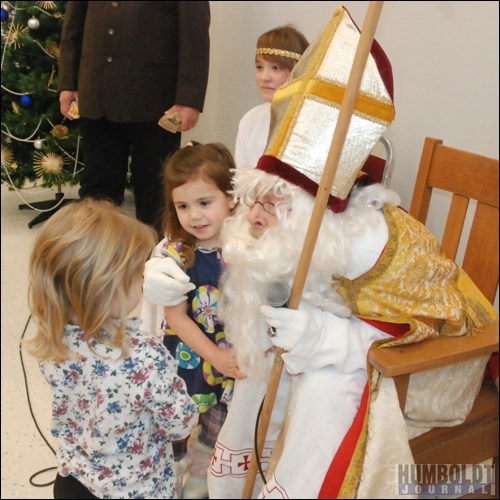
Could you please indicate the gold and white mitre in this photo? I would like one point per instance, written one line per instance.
(305, 111)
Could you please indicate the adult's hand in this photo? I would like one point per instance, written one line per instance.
(189, 116)
(288, 327)
(165, 283)
(66, 97)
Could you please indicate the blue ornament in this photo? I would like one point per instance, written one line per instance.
(4, 14)
(26, 101)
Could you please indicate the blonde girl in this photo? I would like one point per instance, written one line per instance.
(117, 399)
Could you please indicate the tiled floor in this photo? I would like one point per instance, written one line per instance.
(24, 452)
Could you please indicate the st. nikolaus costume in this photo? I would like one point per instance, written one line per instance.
(376, 275)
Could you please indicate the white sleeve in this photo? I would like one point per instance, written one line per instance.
(158, 248)
(239, 153)
(151, 314)
(253, 132)
(367, 247)
(343, 342)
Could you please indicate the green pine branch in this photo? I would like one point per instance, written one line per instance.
(38, 144)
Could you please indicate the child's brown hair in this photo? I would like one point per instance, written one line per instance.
(212, 162)
(282, 45)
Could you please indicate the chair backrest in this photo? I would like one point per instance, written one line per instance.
(468, 176)
(380, 168)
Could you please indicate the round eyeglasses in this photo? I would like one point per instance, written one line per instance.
(268, 207)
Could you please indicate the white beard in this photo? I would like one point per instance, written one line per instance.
(253, 263)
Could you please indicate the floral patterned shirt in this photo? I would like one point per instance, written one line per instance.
(114, 417)
(205, 384)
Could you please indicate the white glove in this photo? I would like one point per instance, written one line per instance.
(288, 327)
(165, 283)
(315, 338)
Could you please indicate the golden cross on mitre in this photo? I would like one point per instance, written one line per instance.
(306, 109)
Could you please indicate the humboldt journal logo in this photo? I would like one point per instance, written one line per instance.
(444, 480)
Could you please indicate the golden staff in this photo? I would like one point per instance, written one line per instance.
(325, 186)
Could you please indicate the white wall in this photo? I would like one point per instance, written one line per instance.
(445, 64)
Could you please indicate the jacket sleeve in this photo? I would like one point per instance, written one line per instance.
(194, 54)
(71, 45)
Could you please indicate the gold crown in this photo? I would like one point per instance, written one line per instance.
(305, 110)
(278, 52)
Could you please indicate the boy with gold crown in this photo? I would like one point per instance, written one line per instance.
(374, 276)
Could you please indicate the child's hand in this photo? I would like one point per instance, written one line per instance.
(225, 362)
(165, 283)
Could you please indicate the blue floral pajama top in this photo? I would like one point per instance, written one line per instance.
(114, 418)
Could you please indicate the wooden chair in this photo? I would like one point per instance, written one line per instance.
(467, 176)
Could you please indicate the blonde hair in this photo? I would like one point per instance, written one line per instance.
(84, 261)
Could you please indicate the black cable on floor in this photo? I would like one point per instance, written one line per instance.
(33, 476)
(256, 447)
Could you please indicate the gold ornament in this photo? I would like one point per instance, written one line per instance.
(7, 156)
(60, 132)
(15, 108)
(49, 163)
(51, 77)
(11, 36)
(53, 50)
(47, 5)
(14, 166)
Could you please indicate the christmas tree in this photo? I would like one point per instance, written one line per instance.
(39, 146)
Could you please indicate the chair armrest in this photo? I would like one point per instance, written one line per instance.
(434, 352)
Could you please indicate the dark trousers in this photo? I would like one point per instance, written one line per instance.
(107, 147)
(70, 488)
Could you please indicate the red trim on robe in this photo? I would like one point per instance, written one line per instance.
(492, 369)
(398, 330)
(340, 463)
(338, 468)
